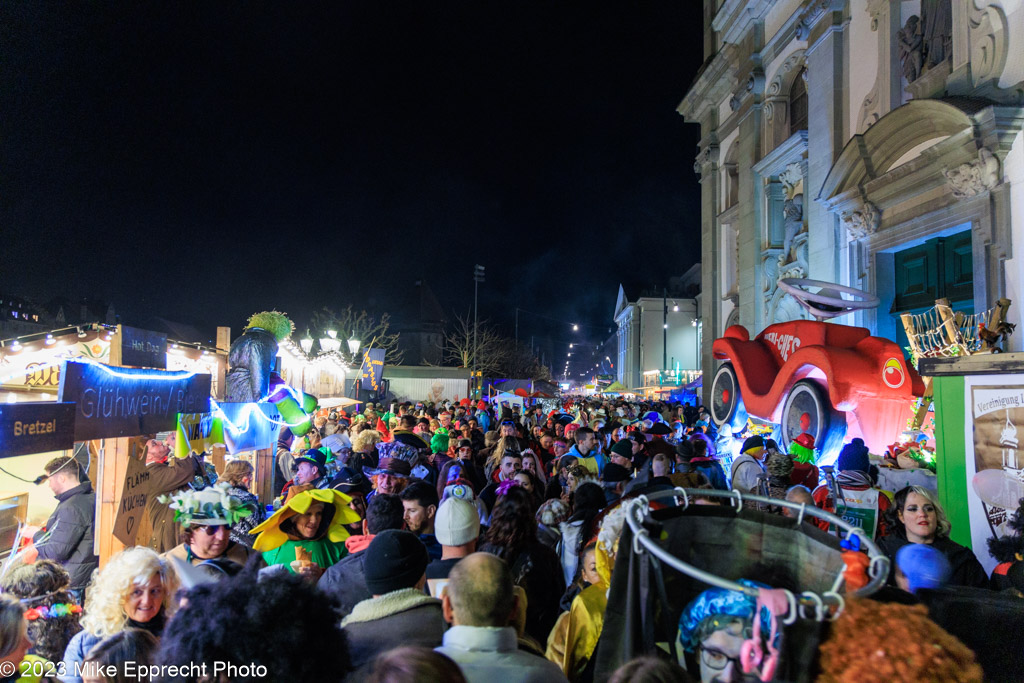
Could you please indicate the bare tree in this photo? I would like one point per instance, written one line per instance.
(519, 362)
(371, 331)
(459, 346)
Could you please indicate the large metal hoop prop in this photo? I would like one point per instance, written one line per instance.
(638, 508)
(836, 305)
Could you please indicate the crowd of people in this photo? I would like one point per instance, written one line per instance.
(466, 541)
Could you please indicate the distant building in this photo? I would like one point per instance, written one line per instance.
(420, 321)
(647, 350)
(20, 316)
(871, 143)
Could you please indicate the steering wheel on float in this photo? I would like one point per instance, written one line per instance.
(828, 301)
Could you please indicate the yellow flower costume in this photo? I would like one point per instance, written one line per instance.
(278, 545)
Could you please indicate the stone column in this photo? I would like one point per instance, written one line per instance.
(826, 135)
(706, 168)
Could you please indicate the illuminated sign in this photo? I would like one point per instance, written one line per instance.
(113, 402)
(373, 369)
(142, 348)
(36, 428)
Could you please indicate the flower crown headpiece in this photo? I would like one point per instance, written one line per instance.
(210, 506)
(61, 609)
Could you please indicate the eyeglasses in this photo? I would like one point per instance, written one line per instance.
(716, 659)
(212, 529)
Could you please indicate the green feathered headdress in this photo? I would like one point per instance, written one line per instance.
(274, 322)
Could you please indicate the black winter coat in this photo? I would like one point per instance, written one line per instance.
(71, 534)
(967, 571)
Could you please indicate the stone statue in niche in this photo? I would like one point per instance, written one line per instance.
(793, 213)
(937, 17)
(911, 45)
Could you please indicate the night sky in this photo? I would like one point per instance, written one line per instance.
(201, 161)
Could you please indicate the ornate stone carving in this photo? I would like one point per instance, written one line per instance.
(911, 45)
(987, 39)
(779, 82)
(811, 15)
(792, 177)
(703, 157)
(734, 102)
(862, 222)
(970, 179)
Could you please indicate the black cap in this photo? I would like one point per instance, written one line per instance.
(315, 457)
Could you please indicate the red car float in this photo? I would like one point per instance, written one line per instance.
(832, 381)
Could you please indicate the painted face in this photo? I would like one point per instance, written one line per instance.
(308, 524)
(417, 518)
(509, 466)
(920, 519)
(144, 601)
(559, 429)
(209, 542)
(560, 448)
(524, 481)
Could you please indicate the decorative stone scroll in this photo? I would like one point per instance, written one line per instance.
(986, 32)
(975, 177)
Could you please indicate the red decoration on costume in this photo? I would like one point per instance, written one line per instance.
(385, 434)
(856, 572)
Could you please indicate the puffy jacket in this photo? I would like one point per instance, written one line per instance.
(70, 530)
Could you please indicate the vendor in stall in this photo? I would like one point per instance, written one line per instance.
(67, 537)
(167, 475)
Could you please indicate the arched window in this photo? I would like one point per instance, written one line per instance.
(798, 103)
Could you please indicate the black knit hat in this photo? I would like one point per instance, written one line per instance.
(394, 560)
(623, 447)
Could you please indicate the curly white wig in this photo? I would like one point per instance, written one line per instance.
(365, 441)
(104, 613)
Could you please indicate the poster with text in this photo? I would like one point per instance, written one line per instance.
(995, 462)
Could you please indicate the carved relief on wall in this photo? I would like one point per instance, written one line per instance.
(975, 177)
(791, 259)
(862, 222)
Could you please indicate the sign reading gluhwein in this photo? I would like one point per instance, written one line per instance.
(112, 402)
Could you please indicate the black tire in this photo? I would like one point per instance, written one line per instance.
(726, 400)
(826, 424)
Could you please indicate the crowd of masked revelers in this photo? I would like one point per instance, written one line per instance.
(471, 541)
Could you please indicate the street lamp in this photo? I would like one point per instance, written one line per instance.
(330, 342)
(353, 344)
(575, 328)
(306, 343)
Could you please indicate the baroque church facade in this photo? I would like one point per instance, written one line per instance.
(875, 144)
